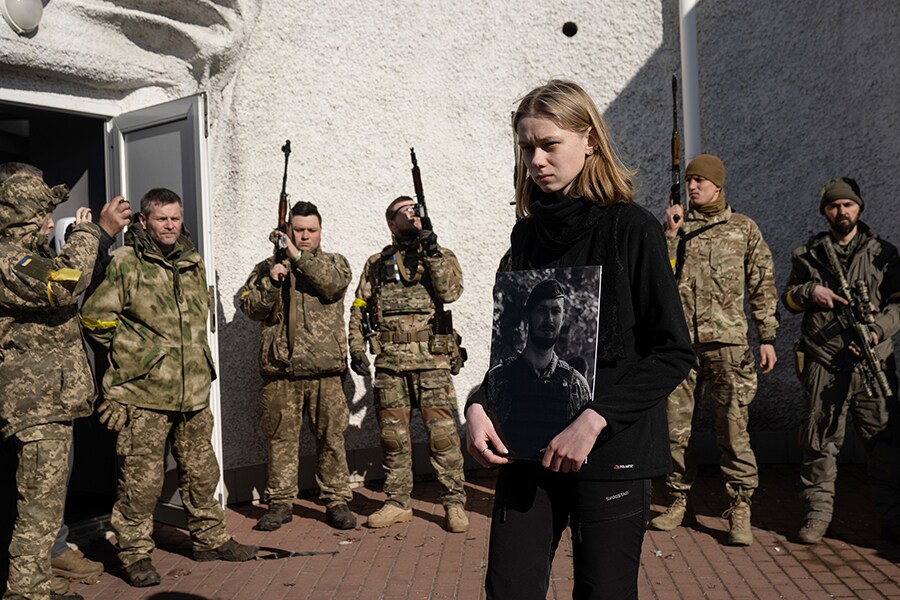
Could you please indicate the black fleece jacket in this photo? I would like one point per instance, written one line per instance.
(645, 347)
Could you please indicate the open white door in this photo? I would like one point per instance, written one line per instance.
(165, 146)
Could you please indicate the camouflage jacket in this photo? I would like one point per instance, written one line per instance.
(402, 311)
(320, 342)
(876, 262)
(44, 373)
(718, 264)
(151, 312)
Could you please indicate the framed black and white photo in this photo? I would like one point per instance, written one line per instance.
(543, 354)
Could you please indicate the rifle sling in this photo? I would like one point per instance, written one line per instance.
(278, 553)
(684, 238)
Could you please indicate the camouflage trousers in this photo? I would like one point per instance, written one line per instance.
(726, 375)
(41, 474)
(322, 401)
(142, 446)
(432, 392)
(827, 398)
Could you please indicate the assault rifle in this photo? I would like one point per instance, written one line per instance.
(280, 242)
(421, 209)
(858, 316)
(282, 226)
(675, 192)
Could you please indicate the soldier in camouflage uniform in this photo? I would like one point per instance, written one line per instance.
(45, 380)
(303, 370)
(716, 253)
(401, 291)
(831, 385)
(150, 312)
(536, 385)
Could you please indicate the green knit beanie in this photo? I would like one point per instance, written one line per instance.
(841, 188)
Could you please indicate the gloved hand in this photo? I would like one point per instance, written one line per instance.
(359, 362)
(113, 414)
(428, 241)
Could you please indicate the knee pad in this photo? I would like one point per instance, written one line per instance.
(393, 437)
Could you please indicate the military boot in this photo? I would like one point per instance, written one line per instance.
(457, 521)
(59, 585)
(673, 516)
(142, 573)
(387, 515)
(231, 551)
(340, 517)
(813, 531)
(277, 515)
(72, 565)
(739, 533)
(59, 589)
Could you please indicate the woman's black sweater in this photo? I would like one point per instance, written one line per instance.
(645, 349)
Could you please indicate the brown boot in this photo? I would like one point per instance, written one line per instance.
(72, 565)
(673, 516)
(387, 515)
(231, 551)
(142, 573)
(277, 515)
(739, 533)
(813, 531)
(59, 585)
(457, 521)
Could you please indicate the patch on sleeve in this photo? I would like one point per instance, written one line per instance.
(36, 267)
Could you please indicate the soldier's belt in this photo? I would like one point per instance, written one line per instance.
(404, 337)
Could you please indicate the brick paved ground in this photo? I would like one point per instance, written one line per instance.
(421, 560)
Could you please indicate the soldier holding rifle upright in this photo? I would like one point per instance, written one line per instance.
(846, 283)
(298, 298)
(717, 254)
(399, 311)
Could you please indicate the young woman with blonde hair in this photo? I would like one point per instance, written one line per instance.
(574, 199)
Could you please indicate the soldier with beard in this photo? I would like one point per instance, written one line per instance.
(400, 291)
(536, 386)
(831, 387)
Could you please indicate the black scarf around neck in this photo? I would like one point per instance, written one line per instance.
(574, 232)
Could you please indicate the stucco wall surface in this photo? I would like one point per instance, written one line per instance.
(354, 87)
(794, 94)
(791, 94)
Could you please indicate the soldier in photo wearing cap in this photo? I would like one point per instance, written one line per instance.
(536, 385)
(717, 254)
(401, 291)
(831, 388)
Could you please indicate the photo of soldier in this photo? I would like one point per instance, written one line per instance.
(151, 313)
(399, 300)
(299, 303)
(846, 283)
(45, 379)
(532, 395)
(717, 254)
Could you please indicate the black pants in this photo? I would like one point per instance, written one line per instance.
(532, 508)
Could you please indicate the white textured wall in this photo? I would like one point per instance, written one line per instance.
(791, 95)
(354, 87)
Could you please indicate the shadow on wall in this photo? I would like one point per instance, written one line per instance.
(789, 98)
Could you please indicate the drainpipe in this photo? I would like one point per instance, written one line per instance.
(690, 90)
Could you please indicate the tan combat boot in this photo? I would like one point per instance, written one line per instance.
(739, 533)
(673, 516)
(457, 521)
(387, 515)
(72, 565)
(813, 531)
(59, 586)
